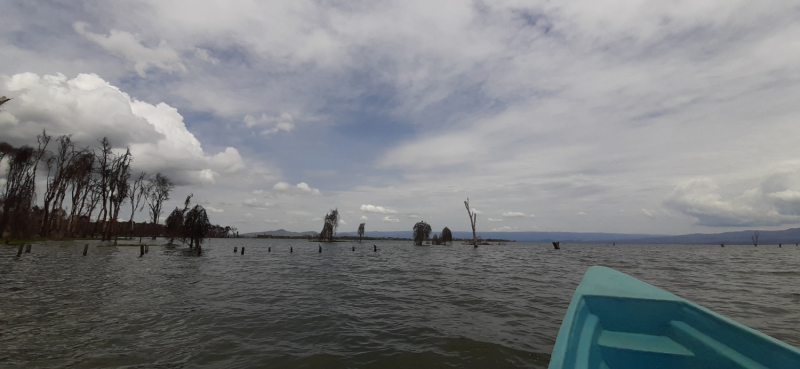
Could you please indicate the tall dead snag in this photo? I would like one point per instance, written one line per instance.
(158, 189)
(360, 231)
(421, 232)
(329, 228)
(472, 219)
(104, 160)
(754, 237)
(59, 162)
(137, 192)
(118, 189)
(19, 195)
(447, 236)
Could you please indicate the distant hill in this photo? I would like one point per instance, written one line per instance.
(522, 236)
(788, 236)
(280, 233)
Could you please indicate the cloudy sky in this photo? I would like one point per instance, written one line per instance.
(665, 117)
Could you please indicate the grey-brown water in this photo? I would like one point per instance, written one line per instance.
(402, 306)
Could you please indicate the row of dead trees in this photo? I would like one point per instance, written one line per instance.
(92, 183)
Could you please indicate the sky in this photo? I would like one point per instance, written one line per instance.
(654, 117)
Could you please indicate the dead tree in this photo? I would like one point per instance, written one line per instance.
(19, 195)
(557, 245)
(360, 231)
(421, 232)
(754, 237)
(158, 189)
(472, 219)
(447, 236)
(137, 192)
(329, 228)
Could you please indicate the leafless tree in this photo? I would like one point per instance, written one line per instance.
(472, 219)
(137, 192)
(158, 189)
(360, 231)
(61, 164)
(118, 189)
(80, 185)
(754, 237)
(19, 193)
(105, 159)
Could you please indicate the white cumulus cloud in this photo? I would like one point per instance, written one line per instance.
(270, 125)
(377, 209)
(89, 108)
(494, 220)
(390, 219)
(301, 188)
(513, 214)
(502, 229)
(129, 46)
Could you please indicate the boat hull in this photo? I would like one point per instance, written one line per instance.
(617, 321)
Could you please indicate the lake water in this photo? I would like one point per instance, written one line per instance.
(402, 306)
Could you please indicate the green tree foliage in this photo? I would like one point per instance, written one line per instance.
(422, 231)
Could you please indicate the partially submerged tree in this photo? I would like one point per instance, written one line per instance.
(158, 190)
(447, 236)
(421, 232)
(472, 219)
(137, 192)
(196, 226)
(754, 237)
(329, 228)
(19, 195)
(435, 240)
(360, 231)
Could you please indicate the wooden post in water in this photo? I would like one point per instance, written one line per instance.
(146, 248)
(141, 250)
(557, 245)
(722, 244)
(320, 249)
(291, 250)
(375, 248)
(269, 249)
(85, 249)
(354, 248)
(19, 252)
(242, 250)
(235, 249)
(28, 248)
(779, 245)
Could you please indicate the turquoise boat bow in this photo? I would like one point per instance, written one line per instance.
(616, 321)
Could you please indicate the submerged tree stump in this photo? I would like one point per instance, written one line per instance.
(19, 252)
(291, 250)
(320, 249)
(235, 250)
(722, 245)
(28, 248)
(146, 248)
(269, 249)
(85, 249)
(375, 248)
(242, 250)
(141, 250)
(557, 245)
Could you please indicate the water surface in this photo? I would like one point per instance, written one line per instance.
(403, 306)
